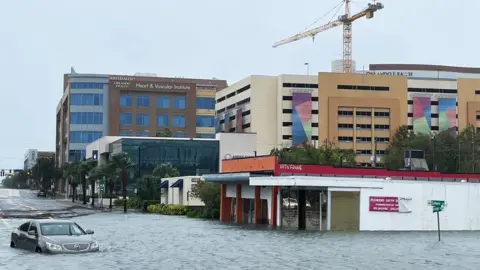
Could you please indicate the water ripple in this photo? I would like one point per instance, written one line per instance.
(136, 241)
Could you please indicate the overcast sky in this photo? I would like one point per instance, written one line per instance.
(229, 40)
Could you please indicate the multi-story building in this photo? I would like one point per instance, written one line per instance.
(96, 105)
(359, 111)
(32, 155)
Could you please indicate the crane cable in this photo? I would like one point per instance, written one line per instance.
(338, 6)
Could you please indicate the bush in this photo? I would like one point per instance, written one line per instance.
(132, 202)
(168, 209)
(206, 213)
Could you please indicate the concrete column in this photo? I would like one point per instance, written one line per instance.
(329, 209)
(239, 205)
(257, 207)
(302, 215)
(225, 204)
(273, 206)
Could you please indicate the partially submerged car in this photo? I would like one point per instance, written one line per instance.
(53, 236)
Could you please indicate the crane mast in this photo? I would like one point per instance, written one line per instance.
(346, 20)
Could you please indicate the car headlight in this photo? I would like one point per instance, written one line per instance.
(52, 246)
(94, 245)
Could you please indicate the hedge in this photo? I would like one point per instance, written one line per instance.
(206, 213)
(168, 209)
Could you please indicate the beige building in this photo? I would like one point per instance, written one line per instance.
(359, 111)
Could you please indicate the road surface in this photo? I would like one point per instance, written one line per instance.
(16, 203)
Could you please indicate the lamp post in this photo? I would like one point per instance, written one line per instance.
(433, 137)
(84, 187)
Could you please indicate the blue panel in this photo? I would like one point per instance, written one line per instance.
(226, 122)
(427, 111)
(205, 121)
(205, 103)
(164, 184)
(177, 184)
(218, 127)
(178, 120)
(298, 134)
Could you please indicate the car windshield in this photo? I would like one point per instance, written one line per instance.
(61, 229)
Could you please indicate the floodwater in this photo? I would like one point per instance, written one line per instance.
(140, 241)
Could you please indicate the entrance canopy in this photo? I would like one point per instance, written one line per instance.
(232, 178)
(318, 181)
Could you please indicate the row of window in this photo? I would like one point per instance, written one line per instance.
(86, 85)
(86, 99)
(432, 90)
(243, 89)
(432, 102)
(369, 152)
(143, 119)
(363, 139)
(84, 136)
(76, 155)
(363, 113)
(363, 126)
(86, 118)
(363, 87)
(177, 134)
(165, 102)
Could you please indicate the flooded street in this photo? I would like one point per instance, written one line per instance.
(139, 241)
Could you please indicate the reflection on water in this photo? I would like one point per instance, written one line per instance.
(136, 241)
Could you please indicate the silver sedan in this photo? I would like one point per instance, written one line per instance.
(53, 236)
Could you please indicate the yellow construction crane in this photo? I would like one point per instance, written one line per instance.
(344, 19)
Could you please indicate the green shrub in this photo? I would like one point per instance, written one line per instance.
(206, 213)
(132, 202)
(168, 209)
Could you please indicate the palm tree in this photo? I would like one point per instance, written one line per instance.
(85, 168)
(70, 172)
(121, 162)
(165, 170)
(95, 174)
(108, 171)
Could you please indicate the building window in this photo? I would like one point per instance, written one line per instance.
(163, 102)
(364, 139)
(206, 103)
(178, 120)
(384, 127)
(382, 139)
(363, 113)
(364, 152)
(345, 139)
(382, 114)
(142, 134)
(205, 121)
(179, 102)
(345, 126)
(125, 133)
(126, 100)
(76, 155)
(162, 120)
(84, 136)
(86, 85)
(86, 118)
(142, 119)
(345, 113)
(205, 135)
(126, 118)
(364, 126)
(86, 99)
(143, 101)
(179, 134)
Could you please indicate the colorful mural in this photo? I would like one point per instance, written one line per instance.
(301, 118)
(447, 114)
(422, 115)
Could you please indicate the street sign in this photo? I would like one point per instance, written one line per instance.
(437, 206)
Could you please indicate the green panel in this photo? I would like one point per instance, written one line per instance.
(421, 126)
(443, 123)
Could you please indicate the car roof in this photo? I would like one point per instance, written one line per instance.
(45, 221)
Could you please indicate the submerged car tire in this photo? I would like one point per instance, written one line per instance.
(38, 250)
(12, 244)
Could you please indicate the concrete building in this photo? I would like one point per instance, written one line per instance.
(260, 190)
(31, 156)
(178, 190)
(359, 111)
(96, 105)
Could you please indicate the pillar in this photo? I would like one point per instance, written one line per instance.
(239, 205)
(274, 206)
(225, 204)
(257, 206)
(302, 203)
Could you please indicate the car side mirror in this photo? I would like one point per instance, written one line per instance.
(32, 233)
(89, 232)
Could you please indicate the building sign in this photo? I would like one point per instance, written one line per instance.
(234, 156)
(291, 167)
(394, 73)
(148, 83)
(388, 204)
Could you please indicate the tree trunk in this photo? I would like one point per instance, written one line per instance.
(84, 189)
(110, 189)
(124, 187)
(93, 193)
(73, 192)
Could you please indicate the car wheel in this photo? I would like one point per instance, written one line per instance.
(38, 250)
(12, 244)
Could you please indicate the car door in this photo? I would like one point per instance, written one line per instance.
(31, 240)
(21, 235)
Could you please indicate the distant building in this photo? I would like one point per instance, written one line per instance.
(96, 105)
(31, 156)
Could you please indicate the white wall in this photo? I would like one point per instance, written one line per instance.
(461, 213)
(181, 196)
(236, 144)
